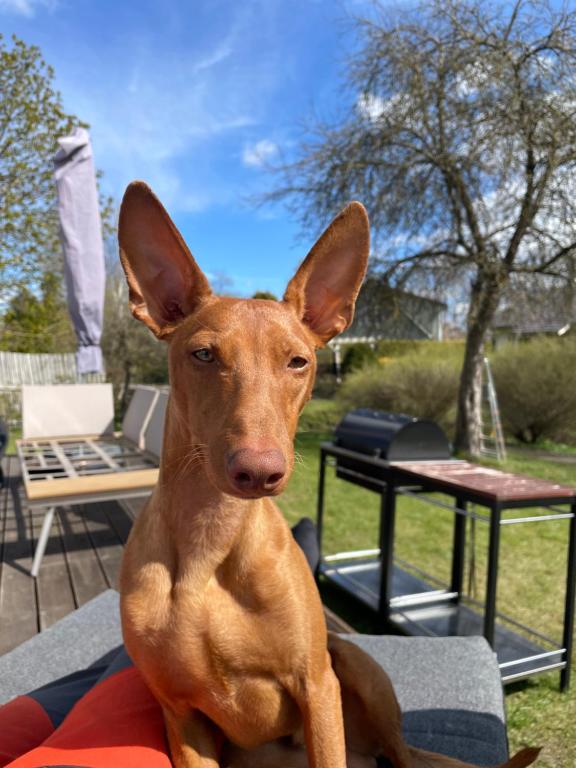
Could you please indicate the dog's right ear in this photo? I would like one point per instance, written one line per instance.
(165, 283)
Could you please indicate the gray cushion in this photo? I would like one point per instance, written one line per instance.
(450, 692)
(449, 688)
(73, 643)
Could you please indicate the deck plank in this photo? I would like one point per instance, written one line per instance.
(133, 506)
(85, 571)
(18, 609)
(54, 593)
(107, 526)
(122, 516)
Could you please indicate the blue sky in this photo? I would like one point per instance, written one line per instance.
(192, 97)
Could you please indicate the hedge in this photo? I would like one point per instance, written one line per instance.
(536, 388)
(417, 385)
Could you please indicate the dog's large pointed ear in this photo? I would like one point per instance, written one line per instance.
(324, 289)
(165, 283)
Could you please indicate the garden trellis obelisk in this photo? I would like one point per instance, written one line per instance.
(81, 236)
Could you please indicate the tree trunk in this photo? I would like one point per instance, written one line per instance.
(484, 300)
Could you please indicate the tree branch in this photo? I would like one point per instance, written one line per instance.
(543, 267)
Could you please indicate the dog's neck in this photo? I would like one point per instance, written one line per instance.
(202, 519)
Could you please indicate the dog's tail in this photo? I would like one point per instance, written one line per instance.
(423, 759)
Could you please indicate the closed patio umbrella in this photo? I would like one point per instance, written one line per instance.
(81, 236)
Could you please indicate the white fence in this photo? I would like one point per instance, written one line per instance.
(17, 368)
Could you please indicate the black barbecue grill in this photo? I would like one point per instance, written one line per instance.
(392, 436)
(386, 436)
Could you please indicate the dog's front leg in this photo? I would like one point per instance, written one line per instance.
(192, 739)
(321, 709)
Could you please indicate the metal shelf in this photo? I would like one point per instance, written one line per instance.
(418, 607)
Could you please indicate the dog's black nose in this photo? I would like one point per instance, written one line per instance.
(256, 472)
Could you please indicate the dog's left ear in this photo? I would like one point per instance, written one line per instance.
(324, 289)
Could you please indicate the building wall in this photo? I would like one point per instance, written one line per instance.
(385, 314)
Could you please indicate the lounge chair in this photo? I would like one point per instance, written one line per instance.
(70, 453)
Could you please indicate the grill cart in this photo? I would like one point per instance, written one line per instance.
(395, 454)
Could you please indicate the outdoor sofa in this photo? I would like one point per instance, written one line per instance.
(449, 688)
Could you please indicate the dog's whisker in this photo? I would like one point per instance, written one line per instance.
(298, 458)
(192, 458)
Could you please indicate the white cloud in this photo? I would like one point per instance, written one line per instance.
(256, 155)
(26, 7)
(221, 53)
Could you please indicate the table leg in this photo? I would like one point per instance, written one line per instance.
(387, 525)
(42, 541)
(458, 549)
(568, 635)
(492, 576)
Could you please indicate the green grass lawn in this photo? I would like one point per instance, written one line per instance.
(531, 576)
(15, 434)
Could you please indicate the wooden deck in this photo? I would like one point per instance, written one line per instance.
(82, 559)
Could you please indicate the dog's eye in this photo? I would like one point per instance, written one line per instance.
(298, 362)
(204, 355)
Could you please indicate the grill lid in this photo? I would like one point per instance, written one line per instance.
(392, 436)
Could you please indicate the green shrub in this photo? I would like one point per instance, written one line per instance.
(325, 362)
(536, 389)
(325, 386)
(10, 406)
(414, 384)
(320, 416)
(398, 347)
(452, 349)
(369, 387)
(357, 356)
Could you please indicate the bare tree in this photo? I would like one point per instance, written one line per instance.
(462, 144)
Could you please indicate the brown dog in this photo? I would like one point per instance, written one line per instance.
(220, 611)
